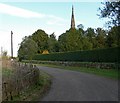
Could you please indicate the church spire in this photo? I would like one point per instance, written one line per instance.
(72, 19)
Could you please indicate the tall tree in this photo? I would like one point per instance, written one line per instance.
(100, 38)
(41, 38)
(53, 43)
(90, 35)
(113, 38)
(62, 42)
(87, 45)
(70, 41)
(111, 10)
(28, 48)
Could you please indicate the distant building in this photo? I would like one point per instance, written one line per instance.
(72, 19)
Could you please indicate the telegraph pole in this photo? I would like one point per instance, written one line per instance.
(11, 45)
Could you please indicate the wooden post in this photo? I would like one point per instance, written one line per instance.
(11, 97)
(5, 86)
(11, 45)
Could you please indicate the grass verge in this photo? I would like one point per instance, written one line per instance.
(110, 73)
(7, 71)
(35, 92)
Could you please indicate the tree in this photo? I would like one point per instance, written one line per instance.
(90, 33)
(90, 36)
(28, 48)
(70, 41)
(80, 26)
(87, 45)
(111, 10)
(53, 43)
(62, 42)
(100, 38)
(41, 38)
(113, 38)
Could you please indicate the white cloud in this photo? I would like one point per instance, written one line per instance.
(58, 21)
(20, 12)
(15, 11)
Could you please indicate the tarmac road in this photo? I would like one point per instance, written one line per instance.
(77, 86)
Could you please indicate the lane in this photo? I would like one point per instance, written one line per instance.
(77, 86)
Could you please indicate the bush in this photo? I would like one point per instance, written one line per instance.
(99, 55)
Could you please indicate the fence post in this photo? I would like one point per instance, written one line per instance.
(6, 90)
(17, 87)
(11, 97)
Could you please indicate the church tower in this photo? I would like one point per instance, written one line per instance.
(72, 19)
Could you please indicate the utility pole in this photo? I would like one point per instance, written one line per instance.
(11, 45)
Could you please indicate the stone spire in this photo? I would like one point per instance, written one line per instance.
(72, 19)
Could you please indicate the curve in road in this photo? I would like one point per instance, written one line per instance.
(77, 86)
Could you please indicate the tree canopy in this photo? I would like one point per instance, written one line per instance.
(41, 38)
(111, 10)
(28, 48)
(53, 43)
(71, 40)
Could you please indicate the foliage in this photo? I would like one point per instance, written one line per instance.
(26, 83)
(100, 55)
(76, 39)
(113, 38)
(41, 38)
(7, 71)
(100, 38)
(28, 48)
(80, 26)
(111, 10)
(90, 36)
(71, 40)
(87, 45)
(53, 44)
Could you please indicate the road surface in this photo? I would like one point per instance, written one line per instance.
(77, 86)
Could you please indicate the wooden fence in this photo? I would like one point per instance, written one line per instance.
(24, 76)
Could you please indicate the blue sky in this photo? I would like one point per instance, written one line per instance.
(24, 18)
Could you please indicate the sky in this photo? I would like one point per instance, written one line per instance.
(24, 18)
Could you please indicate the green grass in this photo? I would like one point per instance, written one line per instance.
(110, 73)
(36, 92)
(7, 71)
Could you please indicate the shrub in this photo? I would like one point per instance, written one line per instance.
(99, 55)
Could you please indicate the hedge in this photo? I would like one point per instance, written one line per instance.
(98, 55)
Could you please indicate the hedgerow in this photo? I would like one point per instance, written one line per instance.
(98, 55)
